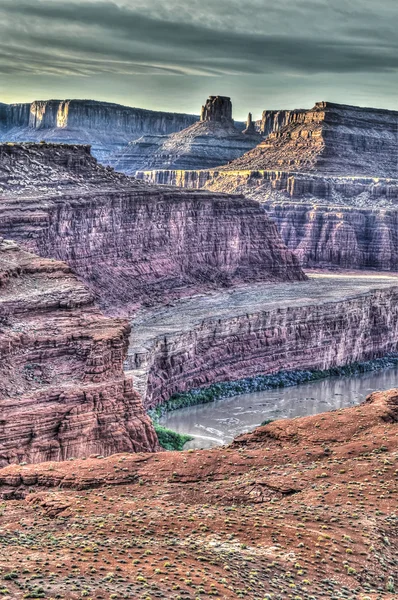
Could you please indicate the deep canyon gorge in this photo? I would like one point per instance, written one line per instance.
(327, 176)
(237, 251)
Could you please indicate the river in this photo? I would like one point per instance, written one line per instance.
(218, 422)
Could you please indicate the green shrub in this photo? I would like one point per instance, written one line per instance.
(171, 440)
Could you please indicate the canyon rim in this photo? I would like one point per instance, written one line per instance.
(198, 300)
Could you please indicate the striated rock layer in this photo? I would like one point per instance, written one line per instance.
(212, 141)
(327, 221)
(136, 155)
(104, 125)
(63, 392)
(274, 120)
(327, 321)
(343, 237)
(264, 186)
(330, 138)
(308, 502)
(130, 242)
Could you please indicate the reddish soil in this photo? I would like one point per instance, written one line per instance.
(299, 509)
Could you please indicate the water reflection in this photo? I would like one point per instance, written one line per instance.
(219, 422)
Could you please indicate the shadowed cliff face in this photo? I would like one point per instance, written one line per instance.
(105, 126)
(63, 392)
(346, 237)
(130, 242)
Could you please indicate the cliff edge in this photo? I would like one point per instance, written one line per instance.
(63, 392)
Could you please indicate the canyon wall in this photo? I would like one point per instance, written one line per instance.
(274, 120)
(106, 126)
(327, 221)
(90, 114)
(343, 237)
(267, 185)
(332, 139)
(63, 392)
(130, 242)
(212, 141)
(318, 324)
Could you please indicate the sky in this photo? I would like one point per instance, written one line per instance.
(172, 55)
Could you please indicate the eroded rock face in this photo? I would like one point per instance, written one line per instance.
(250, 128)
(349, 238)
(63, 392)
(217, 109)
(130, 242)
(327, 176)
(203, 145)
(326, 221)
(325, 322)
(274, 120)
(332, 139)
(106, 126)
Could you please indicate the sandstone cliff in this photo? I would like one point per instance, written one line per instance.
(104, 125)
(327, 176)
(343, 237)
(274, 120)
(130, 242)
(212, 141)
(330, 138)
(324, 322)
(63, 392)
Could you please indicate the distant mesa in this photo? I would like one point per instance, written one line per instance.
(215, 139)
(327, 176)
(106, 126)
(333, 139)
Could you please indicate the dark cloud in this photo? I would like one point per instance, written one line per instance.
(290, 39)
(127, 35)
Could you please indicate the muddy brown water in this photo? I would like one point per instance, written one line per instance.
(218, 422)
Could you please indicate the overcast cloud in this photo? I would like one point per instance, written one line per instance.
(171, 55)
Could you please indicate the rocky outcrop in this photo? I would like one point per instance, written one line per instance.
(217, 109)
(331, 139)
(250, 128)
(273, 121)
(203, 145)
(104, 125)
(132, 243)
(325, 322)
(63, 392)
